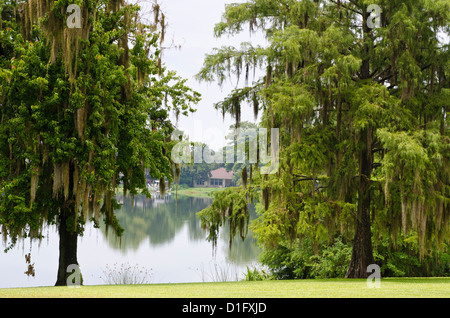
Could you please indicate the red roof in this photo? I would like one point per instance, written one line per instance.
(221, 173)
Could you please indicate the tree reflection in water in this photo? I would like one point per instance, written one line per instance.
(159, 219)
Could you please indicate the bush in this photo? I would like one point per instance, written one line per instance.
(300, 262)
(285, 263)
(404, 261)
(332, 262)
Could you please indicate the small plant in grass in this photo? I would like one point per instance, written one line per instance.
(126, 274)
(256, 274)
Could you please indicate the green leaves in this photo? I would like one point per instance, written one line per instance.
(290, 99)
(360, 110)
(295, 43)
(403, 149)
(229, 60)
(82, 112)
(229, 205)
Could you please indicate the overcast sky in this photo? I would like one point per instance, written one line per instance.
(191, 25)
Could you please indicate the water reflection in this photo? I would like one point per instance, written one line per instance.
(159, 219)
(161, 233)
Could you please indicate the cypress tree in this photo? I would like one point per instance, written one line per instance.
(362, 105)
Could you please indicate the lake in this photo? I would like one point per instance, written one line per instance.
(163, 239)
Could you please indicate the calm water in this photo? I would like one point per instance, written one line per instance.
(161, 235)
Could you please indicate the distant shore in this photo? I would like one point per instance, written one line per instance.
(195, 192)
(202, 192)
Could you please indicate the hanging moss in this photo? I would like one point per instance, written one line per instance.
(57, 178)
(244, 177)
(75, 181)
(97, 205)
(66, 179)
(162, 186)
(34, 184)
(229, 206)
(404, 204)
(85, 204)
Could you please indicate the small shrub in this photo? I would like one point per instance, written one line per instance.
(332, 262)
(287, 262)
(257, 275)
(298, 261)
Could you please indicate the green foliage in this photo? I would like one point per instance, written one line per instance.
(193, 172)
(405, 261)
(229, 205)
(301, 261)
(256, 275)
(81, 112)
(363, 119)
(285, 263)
(332, 262)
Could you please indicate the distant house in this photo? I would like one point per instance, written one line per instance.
(220, 178)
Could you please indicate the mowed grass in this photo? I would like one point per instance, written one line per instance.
(196, 192)
(331, 288)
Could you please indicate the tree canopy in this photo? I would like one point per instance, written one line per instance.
(363, 114)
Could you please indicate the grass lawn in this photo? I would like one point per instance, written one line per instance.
(331, 288)
(196, 192)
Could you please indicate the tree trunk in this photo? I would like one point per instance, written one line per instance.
(67, 246)
(362, 253)
(68, 236)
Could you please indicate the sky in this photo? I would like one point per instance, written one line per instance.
(191, 25)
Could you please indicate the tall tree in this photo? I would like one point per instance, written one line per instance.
(83, 109)
(363, 108)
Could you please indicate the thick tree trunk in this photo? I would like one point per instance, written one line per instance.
(68, 236)
(67, 247)
(362, 253)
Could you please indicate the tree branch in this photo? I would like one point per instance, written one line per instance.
(377, 150)
(347, 7)
(376, 165)
(305, 179)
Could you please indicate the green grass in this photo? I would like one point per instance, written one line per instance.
(330, 288)
(196, 192)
